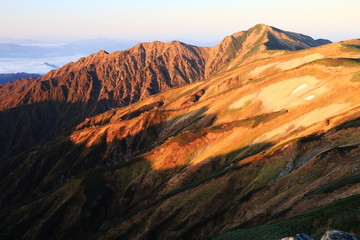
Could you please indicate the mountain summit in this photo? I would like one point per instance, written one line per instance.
(241, 46)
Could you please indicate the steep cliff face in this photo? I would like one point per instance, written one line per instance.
(260, 143)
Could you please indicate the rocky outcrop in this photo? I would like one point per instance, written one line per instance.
(301, 236)
(329, 235)
(337, 235)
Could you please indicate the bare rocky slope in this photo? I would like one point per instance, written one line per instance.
(264, 148)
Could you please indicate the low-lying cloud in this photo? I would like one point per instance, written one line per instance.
(34, 65)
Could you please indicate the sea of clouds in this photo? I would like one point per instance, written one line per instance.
(39, 65)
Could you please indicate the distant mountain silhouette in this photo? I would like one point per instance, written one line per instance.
(10, 77)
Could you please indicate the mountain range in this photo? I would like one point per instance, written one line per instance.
(103, 81)
(254, 138)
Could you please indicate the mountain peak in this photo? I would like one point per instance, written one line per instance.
(260, 38)
(102, 52)
(158, 44)
(278, 39)
(260, 26)
(294, 41)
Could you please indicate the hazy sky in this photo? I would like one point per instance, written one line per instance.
(202, 20)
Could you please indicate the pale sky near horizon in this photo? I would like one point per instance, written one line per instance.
(199, 20)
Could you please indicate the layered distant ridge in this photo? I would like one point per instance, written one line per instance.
(10, 77)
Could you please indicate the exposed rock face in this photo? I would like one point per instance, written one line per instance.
(337, 235)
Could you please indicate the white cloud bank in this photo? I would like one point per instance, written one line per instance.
(34, 65)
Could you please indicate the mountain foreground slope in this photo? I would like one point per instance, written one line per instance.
(265, 138)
